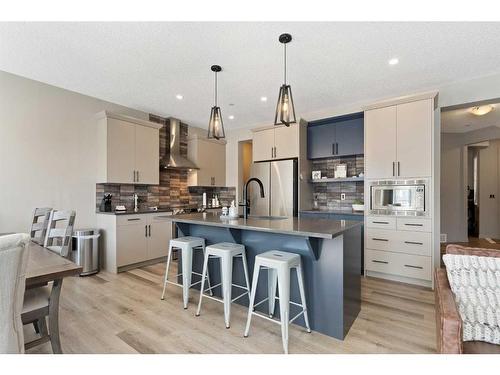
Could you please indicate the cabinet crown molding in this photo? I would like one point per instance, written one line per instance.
(117, 116)
(202, 138)
(404, 99)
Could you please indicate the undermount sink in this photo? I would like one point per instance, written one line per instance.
(257, 217)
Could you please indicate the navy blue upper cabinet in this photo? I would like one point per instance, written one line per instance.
(336, 136)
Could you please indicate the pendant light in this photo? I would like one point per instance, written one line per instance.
(285, 110)
(215, 125)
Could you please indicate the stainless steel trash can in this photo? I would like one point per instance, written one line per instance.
(86, 250)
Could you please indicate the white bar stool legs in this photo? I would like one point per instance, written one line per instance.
(187, 245)
(279, 265)
(226, 252)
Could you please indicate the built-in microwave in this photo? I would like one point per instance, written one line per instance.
(399, 197)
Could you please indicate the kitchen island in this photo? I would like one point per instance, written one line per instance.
(330, 251)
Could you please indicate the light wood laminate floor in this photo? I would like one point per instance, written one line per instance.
(123, 313)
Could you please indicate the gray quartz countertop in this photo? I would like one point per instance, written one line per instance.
(132, 212)
(310, 227)
(333, 212)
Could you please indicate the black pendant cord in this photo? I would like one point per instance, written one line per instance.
(284, 44)
(215, 89)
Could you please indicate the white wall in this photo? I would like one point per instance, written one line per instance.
(232, 162)
(47, 158)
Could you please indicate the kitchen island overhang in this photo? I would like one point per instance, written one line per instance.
(330, 252)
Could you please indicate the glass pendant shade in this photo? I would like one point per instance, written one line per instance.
(215, 125)
(285, 111)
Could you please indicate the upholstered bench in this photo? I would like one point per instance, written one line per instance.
(448, 321)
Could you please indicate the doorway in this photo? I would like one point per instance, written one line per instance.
(470, 174)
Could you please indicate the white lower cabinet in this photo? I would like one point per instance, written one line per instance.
(133, 239)
(399, 248)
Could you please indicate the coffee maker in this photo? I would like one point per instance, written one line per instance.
(106, 203)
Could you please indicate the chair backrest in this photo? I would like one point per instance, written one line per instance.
(59, 232)
(39, 224)
(13, 265)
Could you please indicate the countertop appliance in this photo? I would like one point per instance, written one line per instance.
(280, 188)
(399, 197)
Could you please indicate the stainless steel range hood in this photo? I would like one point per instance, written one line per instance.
(174, 160)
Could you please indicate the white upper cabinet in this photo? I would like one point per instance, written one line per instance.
(398, 140)
(278, 142)
(128, 150)
(209, 155)
(263, 145)
(380, 142)
(120, 155)
(286, 142)
(147, 155)
(414, 138)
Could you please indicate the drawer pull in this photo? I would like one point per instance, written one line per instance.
(380, 261)
(134, 219)
(414, 243)
(380, 239)
(410, 266)
(380, 222)
(414, 225)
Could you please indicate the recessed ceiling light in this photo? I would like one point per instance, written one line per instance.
(393, 61)
(263, 98)
(231, 117)
(179, 97)
(481, 110)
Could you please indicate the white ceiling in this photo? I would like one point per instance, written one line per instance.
(462, 121)
(144, 65)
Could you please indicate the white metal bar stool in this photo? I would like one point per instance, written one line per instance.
(279, 264)
(187, 245)
(226, 252)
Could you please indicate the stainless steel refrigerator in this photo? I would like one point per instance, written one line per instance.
(280, 188)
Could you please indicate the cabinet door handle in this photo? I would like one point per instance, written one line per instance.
(380, 239)
(410, 266)
(380, 261)
(145, 230)
(134, 219)
(137, 176)
(134, 176)
(393, 168)
(414, 225)
(380, 222)
(336, 148)
(272, 152)
(275, 152)
(414, 243)
(399, 169)
(149, 227)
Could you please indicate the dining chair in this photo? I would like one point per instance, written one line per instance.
(39, 224)
(13, 265)
(37, 300)
(59, 232)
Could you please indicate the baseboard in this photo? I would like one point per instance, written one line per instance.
(401, 279)
(129, 267)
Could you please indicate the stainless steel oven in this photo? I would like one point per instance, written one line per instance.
(399, 197)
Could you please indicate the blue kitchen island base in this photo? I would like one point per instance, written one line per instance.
(331, 268)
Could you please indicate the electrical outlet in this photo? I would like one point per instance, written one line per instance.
(342, 196)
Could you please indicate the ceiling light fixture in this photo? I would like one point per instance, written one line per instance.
(285, 110)
(231, 117)
(215, 124)
(263, 98)
(481, 110)
(179, 97)
(394, 61)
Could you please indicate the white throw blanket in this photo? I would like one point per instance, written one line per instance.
(475, 281)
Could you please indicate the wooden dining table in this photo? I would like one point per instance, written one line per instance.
(45, 266)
